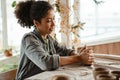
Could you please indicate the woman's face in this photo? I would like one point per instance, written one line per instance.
(47, 24)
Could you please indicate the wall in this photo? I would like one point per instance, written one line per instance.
(108, 48)
(8, 66)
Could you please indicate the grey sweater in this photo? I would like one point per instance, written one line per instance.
(34, 56)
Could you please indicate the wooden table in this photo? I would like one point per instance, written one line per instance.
(75, 72)
(106, 60)
(79, 71)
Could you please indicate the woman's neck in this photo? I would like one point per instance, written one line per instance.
(42, 34)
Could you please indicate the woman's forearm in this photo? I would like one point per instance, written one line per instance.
(65, 60)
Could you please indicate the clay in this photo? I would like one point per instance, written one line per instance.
(60, 77)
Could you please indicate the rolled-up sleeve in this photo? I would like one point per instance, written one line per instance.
(56, 61)
(35, 52)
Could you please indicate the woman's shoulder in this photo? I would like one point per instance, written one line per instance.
(29, 34)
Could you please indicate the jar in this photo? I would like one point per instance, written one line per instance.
(116, 73)
(105, 77)
(100, 70)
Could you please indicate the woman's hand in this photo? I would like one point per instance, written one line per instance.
(87, 56)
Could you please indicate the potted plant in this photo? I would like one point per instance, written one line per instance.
(8, 52)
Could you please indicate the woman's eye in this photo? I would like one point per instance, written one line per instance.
(48, 20)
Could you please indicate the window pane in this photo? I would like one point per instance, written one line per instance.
(100, 19)
(0, 27)
(15, 31)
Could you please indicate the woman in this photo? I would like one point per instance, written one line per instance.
(39, 51)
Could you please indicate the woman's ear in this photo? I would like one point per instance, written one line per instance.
(36, 23)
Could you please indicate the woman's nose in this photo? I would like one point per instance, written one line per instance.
(53, 22)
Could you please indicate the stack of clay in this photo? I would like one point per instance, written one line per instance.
(101, 73)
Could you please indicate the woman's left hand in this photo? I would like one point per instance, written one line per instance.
(91, 56)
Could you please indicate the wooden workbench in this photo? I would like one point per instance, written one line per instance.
(79, 71)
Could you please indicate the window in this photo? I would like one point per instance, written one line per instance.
(0, 27)
(102, 20)
(15, 31)
(1, 45)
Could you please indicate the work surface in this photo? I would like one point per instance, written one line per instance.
(78, 71)
(74, 72)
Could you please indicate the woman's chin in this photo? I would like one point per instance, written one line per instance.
(50, 31)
